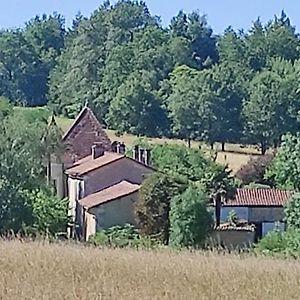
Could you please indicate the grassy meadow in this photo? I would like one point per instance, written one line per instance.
(33, 270)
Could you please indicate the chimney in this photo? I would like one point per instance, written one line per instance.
(136, 153)
(147, 155)
(114, 146)
(121, 148)
(142, 155)
(97, 151)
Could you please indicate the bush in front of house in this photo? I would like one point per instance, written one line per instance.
(286, 244)
(292, 212)
(122, 237)
(153, 206)
(254, 171)
(280, 244)
(190, 221)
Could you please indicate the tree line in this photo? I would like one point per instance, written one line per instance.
(145, 79)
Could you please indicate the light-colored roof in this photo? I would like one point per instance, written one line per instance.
(119, 190)
(88, 164)
(259, 197)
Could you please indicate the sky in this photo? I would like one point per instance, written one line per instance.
(220, 13)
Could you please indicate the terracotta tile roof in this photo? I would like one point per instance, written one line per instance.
(88, 164)
(122, 189)
(230, 227)
(259, 197)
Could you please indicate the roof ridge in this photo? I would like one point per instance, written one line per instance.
(84, 110)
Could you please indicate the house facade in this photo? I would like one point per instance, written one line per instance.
(102, 188)
(262, 207)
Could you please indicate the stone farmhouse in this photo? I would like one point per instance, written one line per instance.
(102, 184)
(100, 181)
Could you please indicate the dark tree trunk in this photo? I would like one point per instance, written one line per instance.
(223, 146)
(263, 147)
(211, 146)
(218, 210)
(49, 175)
(189, 142)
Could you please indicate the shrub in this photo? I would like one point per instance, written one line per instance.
(278, 243)
(272, 243)
(153, 206)
(120, 237)
(50, 214)
(5, 107)
(292, 212)
(190, 220)
(255, 169)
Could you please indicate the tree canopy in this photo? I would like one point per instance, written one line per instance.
(140, 77)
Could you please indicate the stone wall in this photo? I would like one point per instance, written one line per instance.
(233, 239)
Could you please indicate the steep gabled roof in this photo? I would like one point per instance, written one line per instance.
(117, 191)
(86, 112)
(82, 135)
(259, 197)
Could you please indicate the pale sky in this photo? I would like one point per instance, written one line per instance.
(221, 13)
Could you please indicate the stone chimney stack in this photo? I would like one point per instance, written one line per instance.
(142, 155)
(121, 148)
(97, 151)
(136, 153)
(147, 155)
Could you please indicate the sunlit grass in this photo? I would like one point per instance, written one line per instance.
(50, 271)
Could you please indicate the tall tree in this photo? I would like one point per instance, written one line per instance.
(228, 81)
(190, 104)
(46, 34)
(271, 109)
(203, 43)
(277, 39)
(136, 109)
(22, 74)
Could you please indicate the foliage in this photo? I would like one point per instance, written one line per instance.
(22, 156)
(194, 166)
(272, 107)
(190, 221)
(232, 217)
(254, 171)
(5, 107)
(49, 214)
(120, 237)
(284, 171)
(273, 242)
(153, 206)
(280, 244)
(292, 212)
(139, 77)
(136, 110)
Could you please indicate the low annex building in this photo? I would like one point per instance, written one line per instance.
(262, 207)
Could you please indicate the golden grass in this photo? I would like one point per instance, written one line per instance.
(43, 271)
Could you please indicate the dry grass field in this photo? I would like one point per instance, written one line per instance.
(50, 271)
